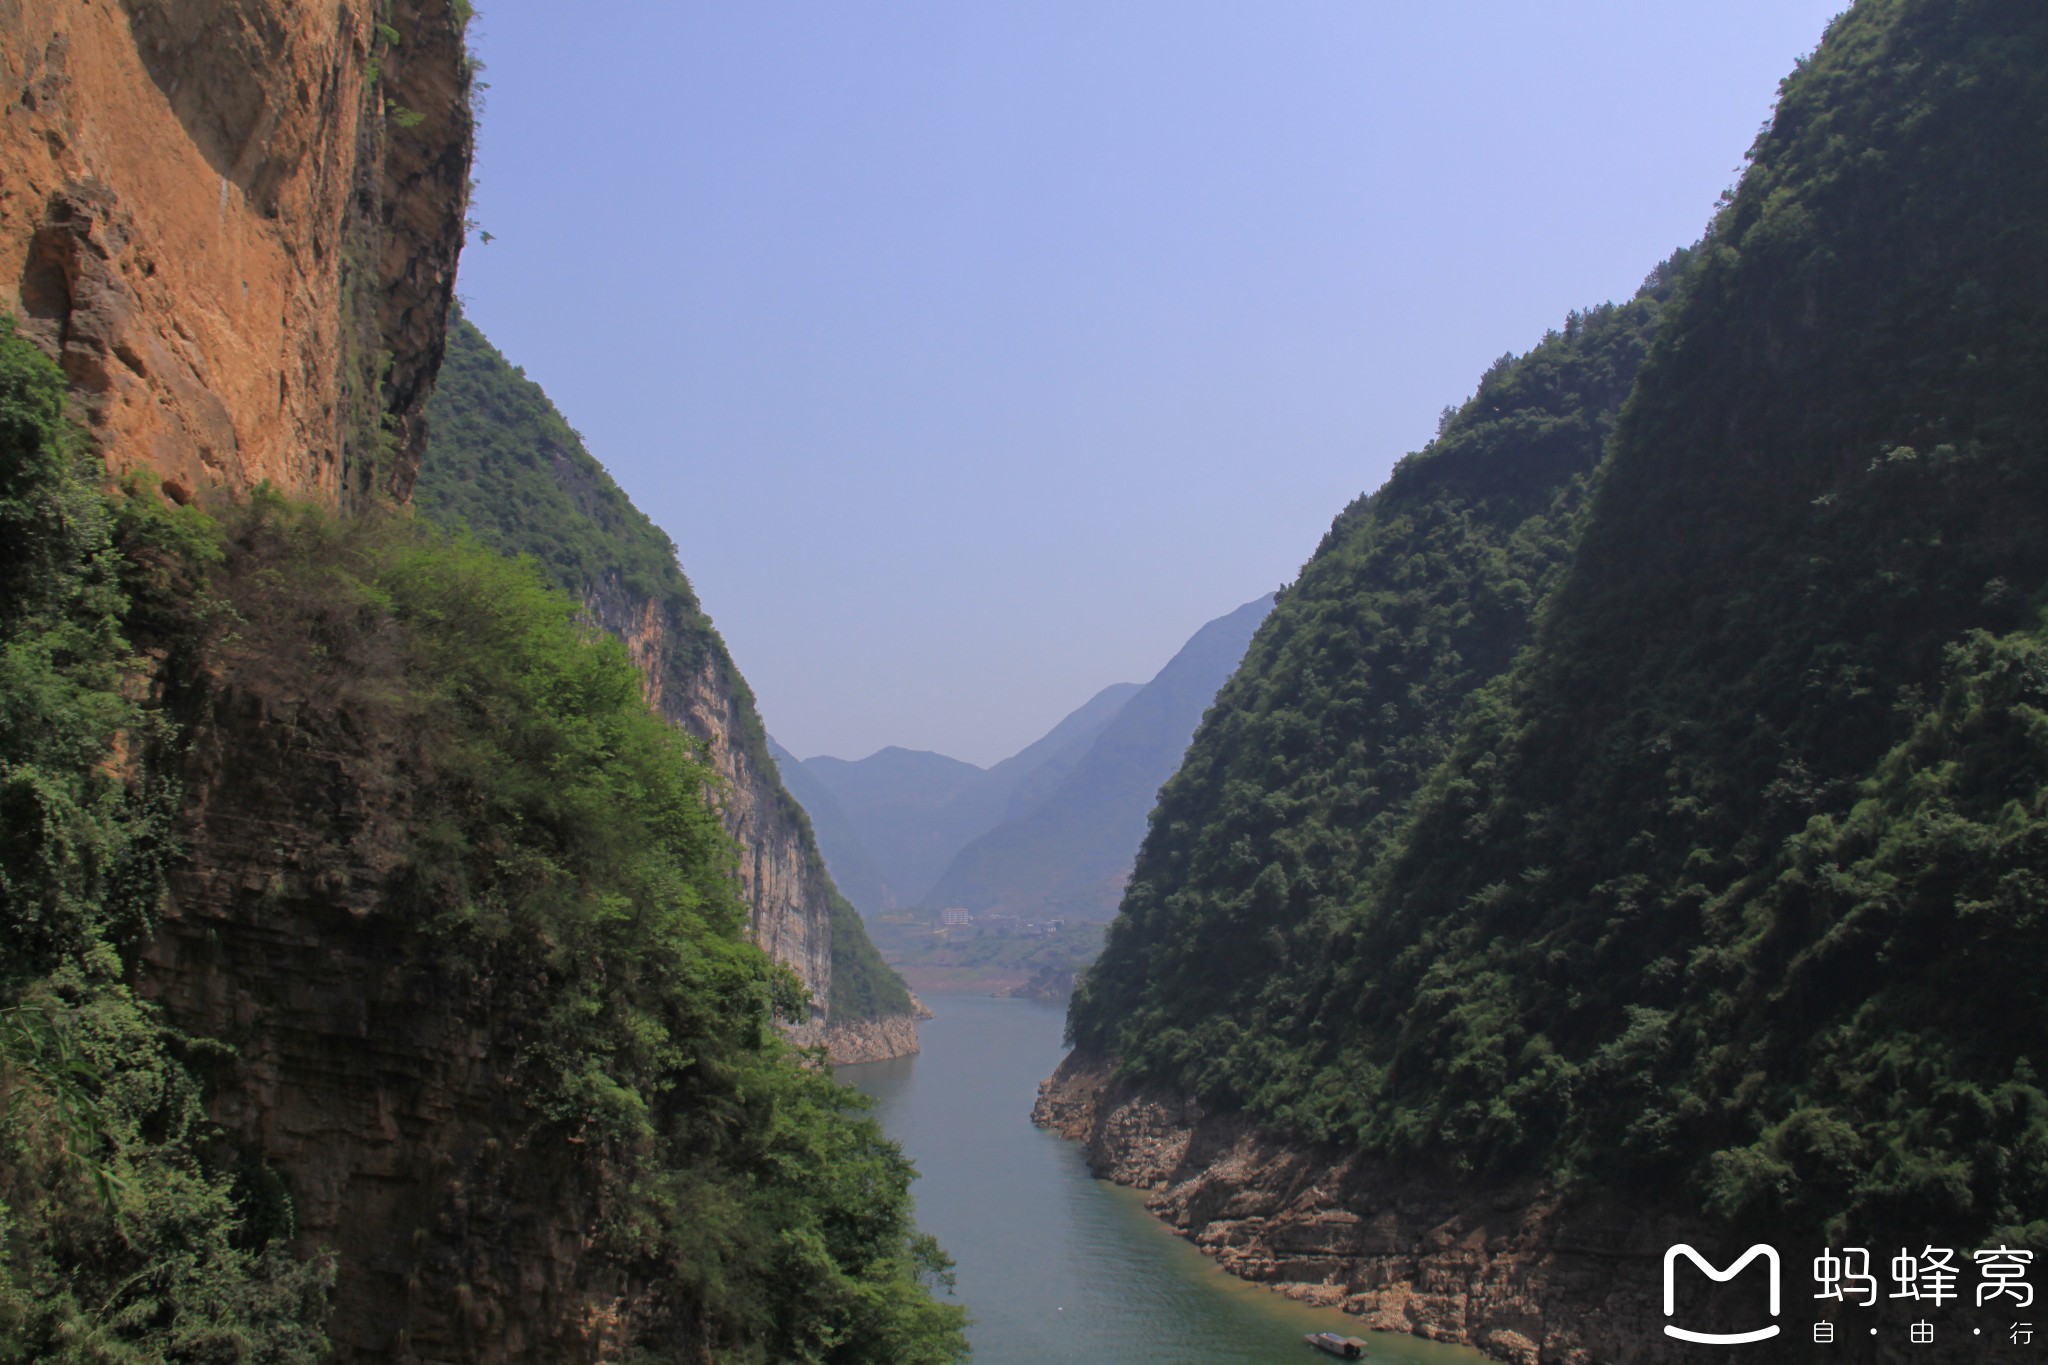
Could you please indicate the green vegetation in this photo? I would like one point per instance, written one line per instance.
(863, 987)
(576, 863)
(1348, 698)
(1730, 889)
(120, 1234)
(573, 862)
(504, 465)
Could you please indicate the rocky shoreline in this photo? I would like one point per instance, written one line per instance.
(874, 1040)
(1524, 1273)
(871, 1040)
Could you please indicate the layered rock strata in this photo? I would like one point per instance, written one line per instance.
(871, 1040)
(235, 224)
(1524, 1272)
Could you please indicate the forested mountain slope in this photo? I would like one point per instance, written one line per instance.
(503, 463)
(1731, 888)
(1349, 694)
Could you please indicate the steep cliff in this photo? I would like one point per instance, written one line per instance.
(461, 955)
(378, 1083)
(449, 943)
(504, 464)
(373, 981)
(692, 681)
(236, 226)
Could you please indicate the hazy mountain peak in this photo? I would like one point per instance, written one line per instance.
(892, 823)
(1070, 846)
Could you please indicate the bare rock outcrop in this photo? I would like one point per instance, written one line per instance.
(1525, 1272)
(848, 1043)
(235, 225)
(691, 680)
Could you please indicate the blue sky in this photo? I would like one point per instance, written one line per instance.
(975, 354)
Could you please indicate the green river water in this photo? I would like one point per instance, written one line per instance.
(1056, 1266)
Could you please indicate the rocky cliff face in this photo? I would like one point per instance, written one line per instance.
(371, 1077)
(235, 225)
(507, 466)
(781, 875)
(226, 217)
(1524, 1272)
(871, 1040)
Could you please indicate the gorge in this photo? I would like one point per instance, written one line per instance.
(1629, 830)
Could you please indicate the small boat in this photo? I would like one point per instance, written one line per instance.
(1329, 1343)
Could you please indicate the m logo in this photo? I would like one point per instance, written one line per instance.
(1770, 1255)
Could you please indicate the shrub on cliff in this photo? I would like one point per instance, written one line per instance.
(121, 1237)
(566, 858)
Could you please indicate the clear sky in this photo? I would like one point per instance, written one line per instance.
(976, 352)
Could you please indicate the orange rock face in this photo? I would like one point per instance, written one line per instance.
(235, 224)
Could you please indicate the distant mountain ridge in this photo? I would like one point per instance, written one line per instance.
(910, 808)
(1072, 850)
(1054, 826)
(1036, 771)
(894, 819)
(859, 880)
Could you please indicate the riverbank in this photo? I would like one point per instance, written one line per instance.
(1054, 1265)
(851, 1043)
(1523, 1273)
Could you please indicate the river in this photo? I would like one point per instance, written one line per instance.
(1054, 1265)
